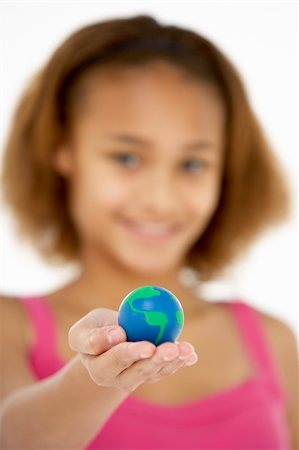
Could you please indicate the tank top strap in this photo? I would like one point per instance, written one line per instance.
(43, 354)
(257, 342)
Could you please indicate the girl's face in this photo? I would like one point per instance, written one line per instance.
(144, 166)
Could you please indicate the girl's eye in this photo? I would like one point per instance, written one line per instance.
(194, 165)
(126, 159)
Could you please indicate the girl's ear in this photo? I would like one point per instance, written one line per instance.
(63, 161)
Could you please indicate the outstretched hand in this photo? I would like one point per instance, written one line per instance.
(113, 361)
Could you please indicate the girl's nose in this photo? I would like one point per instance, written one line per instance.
(159, 193)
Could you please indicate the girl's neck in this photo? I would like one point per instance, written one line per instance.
(102, 283)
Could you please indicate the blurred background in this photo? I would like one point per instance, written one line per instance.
(260, 38)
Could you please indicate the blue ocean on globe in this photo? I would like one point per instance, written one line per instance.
(151, 313)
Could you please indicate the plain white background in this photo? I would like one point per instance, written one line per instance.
(259, 37)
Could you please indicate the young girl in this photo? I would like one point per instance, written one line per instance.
(135, 152)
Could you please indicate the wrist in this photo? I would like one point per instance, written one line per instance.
(76, 379)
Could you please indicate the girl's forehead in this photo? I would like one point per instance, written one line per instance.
(138, 82)
(159, 91)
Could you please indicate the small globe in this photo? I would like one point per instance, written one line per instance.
(151, 313)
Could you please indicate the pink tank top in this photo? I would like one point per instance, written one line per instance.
(250, 415)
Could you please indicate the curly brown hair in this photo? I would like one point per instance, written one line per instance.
(254, 193)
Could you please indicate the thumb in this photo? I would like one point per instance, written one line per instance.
(96, 332)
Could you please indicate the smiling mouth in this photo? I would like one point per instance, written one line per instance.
(151, 231)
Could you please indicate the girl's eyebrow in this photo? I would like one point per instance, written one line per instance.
(129, 139)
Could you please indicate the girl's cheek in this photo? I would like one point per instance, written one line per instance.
(110, 194)
(205, 203)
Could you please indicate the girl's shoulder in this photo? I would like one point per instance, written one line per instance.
(13, 316)
(284, 346)
(15, 325)
(282, 340)
(15, 340)
(279, 333)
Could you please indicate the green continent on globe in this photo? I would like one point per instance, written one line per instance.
(158, 319)
(143, 292)
(180, 318)
(153, 318)
(151, 313)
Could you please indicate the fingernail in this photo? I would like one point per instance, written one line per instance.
(192, 359)
(146, 354)
(114, 335)
(190, 346)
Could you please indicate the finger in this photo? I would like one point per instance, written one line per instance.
(187, 357)
(174, 366)
(167, 359)
(105, 368)
(96, 332)
(167, 369)
(187, 353)
(144, 370)
(185, 349)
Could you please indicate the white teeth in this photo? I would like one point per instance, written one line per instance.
(152, 229)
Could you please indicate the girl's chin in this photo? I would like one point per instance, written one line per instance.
(150, 268)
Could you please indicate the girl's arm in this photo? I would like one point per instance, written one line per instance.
(63, 411)
(70, 407)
